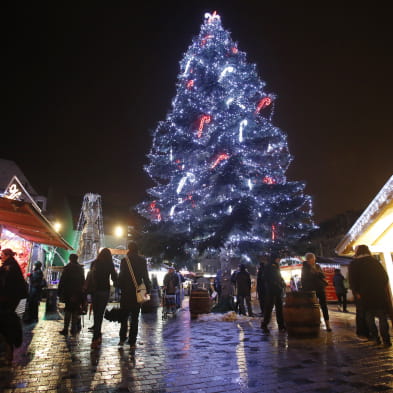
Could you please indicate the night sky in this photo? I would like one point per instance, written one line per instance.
(85, 85)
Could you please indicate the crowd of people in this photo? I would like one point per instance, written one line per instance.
(367, 279)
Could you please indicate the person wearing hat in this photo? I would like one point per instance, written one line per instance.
(37, 283)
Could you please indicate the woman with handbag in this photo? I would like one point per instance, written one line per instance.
(133, 275)
(313, 279)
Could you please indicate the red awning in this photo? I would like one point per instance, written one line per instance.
(26, 221)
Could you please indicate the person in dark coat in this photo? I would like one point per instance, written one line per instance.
(70, 291)
(171, 281)
(370, 285)
(37, 283)
(313, 279)
(261, 286)
(217, 284)
(128, 301)
(274, 286)
(100, 270)
(341, 291)
(13, 288)
(243, 289)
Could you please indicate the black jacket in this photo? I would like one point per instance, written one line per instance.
(338, 282)
(368, 278)
(71, 283)
(274, 283)
(243, 283)
(126, 284)
(13, 286)
(101, 272)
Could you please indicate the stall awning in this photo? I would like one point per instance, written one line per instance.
(374, 227)
(26, 221)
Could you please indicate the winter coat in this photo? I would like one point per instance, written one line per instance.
(100, 272)
(274, 283)
(243, 283)
(13, 286)
(171, 282)
(313, 279)
(260, 280)
(126, 284)
(338, 282)
(71, 285)
(369, 280)
(37, 282)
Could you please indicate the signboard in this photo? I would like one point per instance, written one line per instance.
(15, 190)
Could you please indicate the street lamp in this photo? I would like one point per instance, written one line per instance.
(57, 225)
(119, 231)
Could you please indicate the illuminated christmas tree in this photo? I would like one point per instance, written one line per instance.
(217, 160)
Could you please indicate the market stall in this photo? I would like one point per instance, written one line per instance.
(374, 228)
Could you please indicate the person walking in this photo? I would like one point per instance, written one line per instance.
(313, 279)
(128, 302)
(261, 286)
(274, 287)
(13, 288)
(100, 270)
(243, 288)
(71, 292)
(370, 285)
(341, 291)
(37, 283)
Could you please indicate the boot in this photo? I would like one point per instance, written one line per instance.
(328, 328)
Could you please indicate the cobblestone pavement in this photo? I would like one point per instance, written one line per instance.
(183, 355)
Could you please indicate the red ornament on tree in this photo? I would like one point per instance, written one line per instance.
(155, 210)
(221, 157)
(205, 38)
(269, 180)
(203, 119)
(274, 232)
(235, 50)
(265, 101)
(190, 84)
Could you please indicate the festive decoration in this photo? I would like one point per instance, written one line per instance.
(204, 119)
(205, 38)
(230, 181)
(268, 180)
(190, 84)
(221, 157)
(155, 210)
(243, 123)
(211, 17)
(266, 101)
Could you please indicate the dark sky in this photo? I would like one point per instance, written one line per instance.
(85, 85)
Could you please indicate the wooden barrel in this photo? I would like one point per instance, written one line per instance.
(301, 314)
(153, 303)
(200, 302)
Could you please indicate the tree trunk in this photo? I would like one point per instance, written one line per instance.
(225, 302)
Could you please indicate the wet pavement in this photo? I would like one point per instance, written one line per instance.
(183, 355)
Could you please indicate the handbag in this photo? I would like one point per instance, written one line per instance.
(141, 292)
